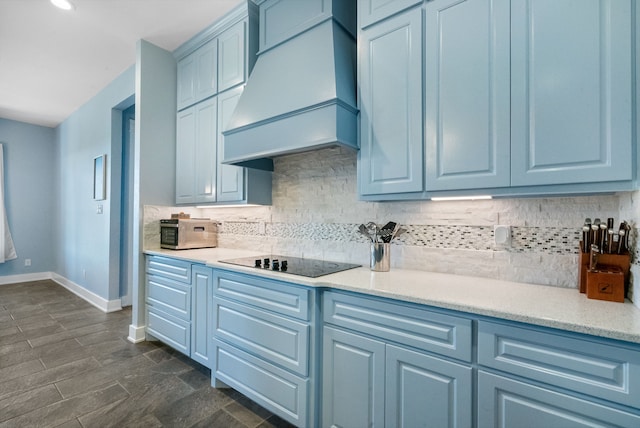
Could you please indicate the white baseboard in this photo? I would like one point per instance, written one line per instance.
(97, 301)
(27, 277)
(136, 334)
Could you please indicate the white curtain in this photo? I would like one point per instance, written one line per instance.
(7, 250)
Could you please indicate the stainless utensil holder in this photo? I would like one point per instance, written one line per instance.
(380, 257)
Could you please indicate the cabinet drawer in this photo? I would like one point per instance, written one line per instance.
(273, 388)
(178, 270)
(590, 367)
(505, 402)
(169, 296)
(169, 329)
(280, 340)
(263, 293)
(411, 326)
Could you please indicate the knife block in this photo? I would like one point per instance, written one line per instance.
(606, 283)
(622, 261)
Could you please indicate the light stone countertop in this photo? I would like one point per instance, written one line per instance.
(540, 305)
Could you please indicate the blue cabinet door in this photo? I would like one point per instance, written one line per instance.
(186, 95)
(185, 156)
(467, 130)
(230, 179)
(202, 292)
(571, 89)
(232, 54)
(504, 402)
(196, 153)
(206, 78)
(390, 70)
(353, 380)
(424, 391)
(371, 11)
(206, 158)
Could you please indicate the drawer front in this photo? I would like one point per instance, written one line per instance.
(169, 296)
(273, 296)
(277, 390)
(411, 326)
(505, 402)
(169, 329)
(178, 270)
(280, 340)
(589, 367)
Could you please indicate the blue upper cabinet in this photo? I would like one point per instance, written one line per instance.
(467, 94)
(532, 98)
(571, 88)
(197, 75)
(390, 69)
(212, 68)
(232, 52)
(230, 180)
(372, 11)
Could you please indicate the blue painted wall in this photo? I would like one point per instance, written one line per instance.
(84, 253)
(30, 189)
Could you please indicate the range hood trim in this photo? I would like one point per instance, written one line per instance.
(331, 123)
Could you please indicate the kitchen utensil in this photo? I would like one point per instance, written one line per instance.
(399, 232)
(621, 240)
(386, 233)
(595, 229)
(610, 233)
(603, 236)
(585, 237)
(363, 229)
(373, 230)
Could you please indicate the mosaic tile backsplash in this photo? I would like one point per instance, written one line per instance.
(316, 213)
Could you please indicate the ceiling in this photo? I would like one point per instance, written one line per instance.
(53, 61)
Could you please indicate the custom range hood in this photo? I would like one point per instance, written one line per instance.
(301, 94)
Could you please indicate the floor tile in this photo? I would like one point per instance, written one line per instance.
(27, 401)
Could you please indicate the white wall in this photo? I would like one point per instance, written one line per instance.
(316, 212)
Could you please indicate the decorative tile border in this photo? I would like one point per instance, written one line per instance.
(549, 240)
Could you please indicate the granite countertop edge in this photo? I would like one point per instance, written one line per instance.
(546, 306)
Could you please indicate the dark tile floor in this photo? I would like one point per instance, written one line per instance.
(65, 363)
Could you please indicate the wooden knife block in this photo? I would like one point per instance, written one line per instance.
(622, 261)
(606, 283)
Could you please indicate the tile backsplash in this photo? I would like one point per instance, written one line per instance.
(316, 213)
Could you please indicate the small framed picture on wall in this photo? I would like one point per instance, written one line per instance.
(100, 178)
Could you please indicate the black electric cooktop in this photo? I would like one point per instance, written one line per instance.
(294, 265)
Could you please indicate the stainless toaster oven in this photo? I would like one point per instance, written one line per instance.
(183, 234)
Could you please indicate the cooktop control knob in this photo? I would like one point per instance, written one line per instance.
(266, 263)
(283, 266)
(276, 264)
(258, 263)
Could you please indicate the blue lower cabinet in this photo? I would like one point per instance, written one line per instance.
(504, 402)
(173, 331)
(200, 315)
(276, 389)
(265, 343)
(367, 383)
(353, 368)
(424, 391)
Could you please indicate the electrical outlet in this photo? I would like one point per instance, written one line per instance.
(502, 235)
(27, 262)
(99, 209)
